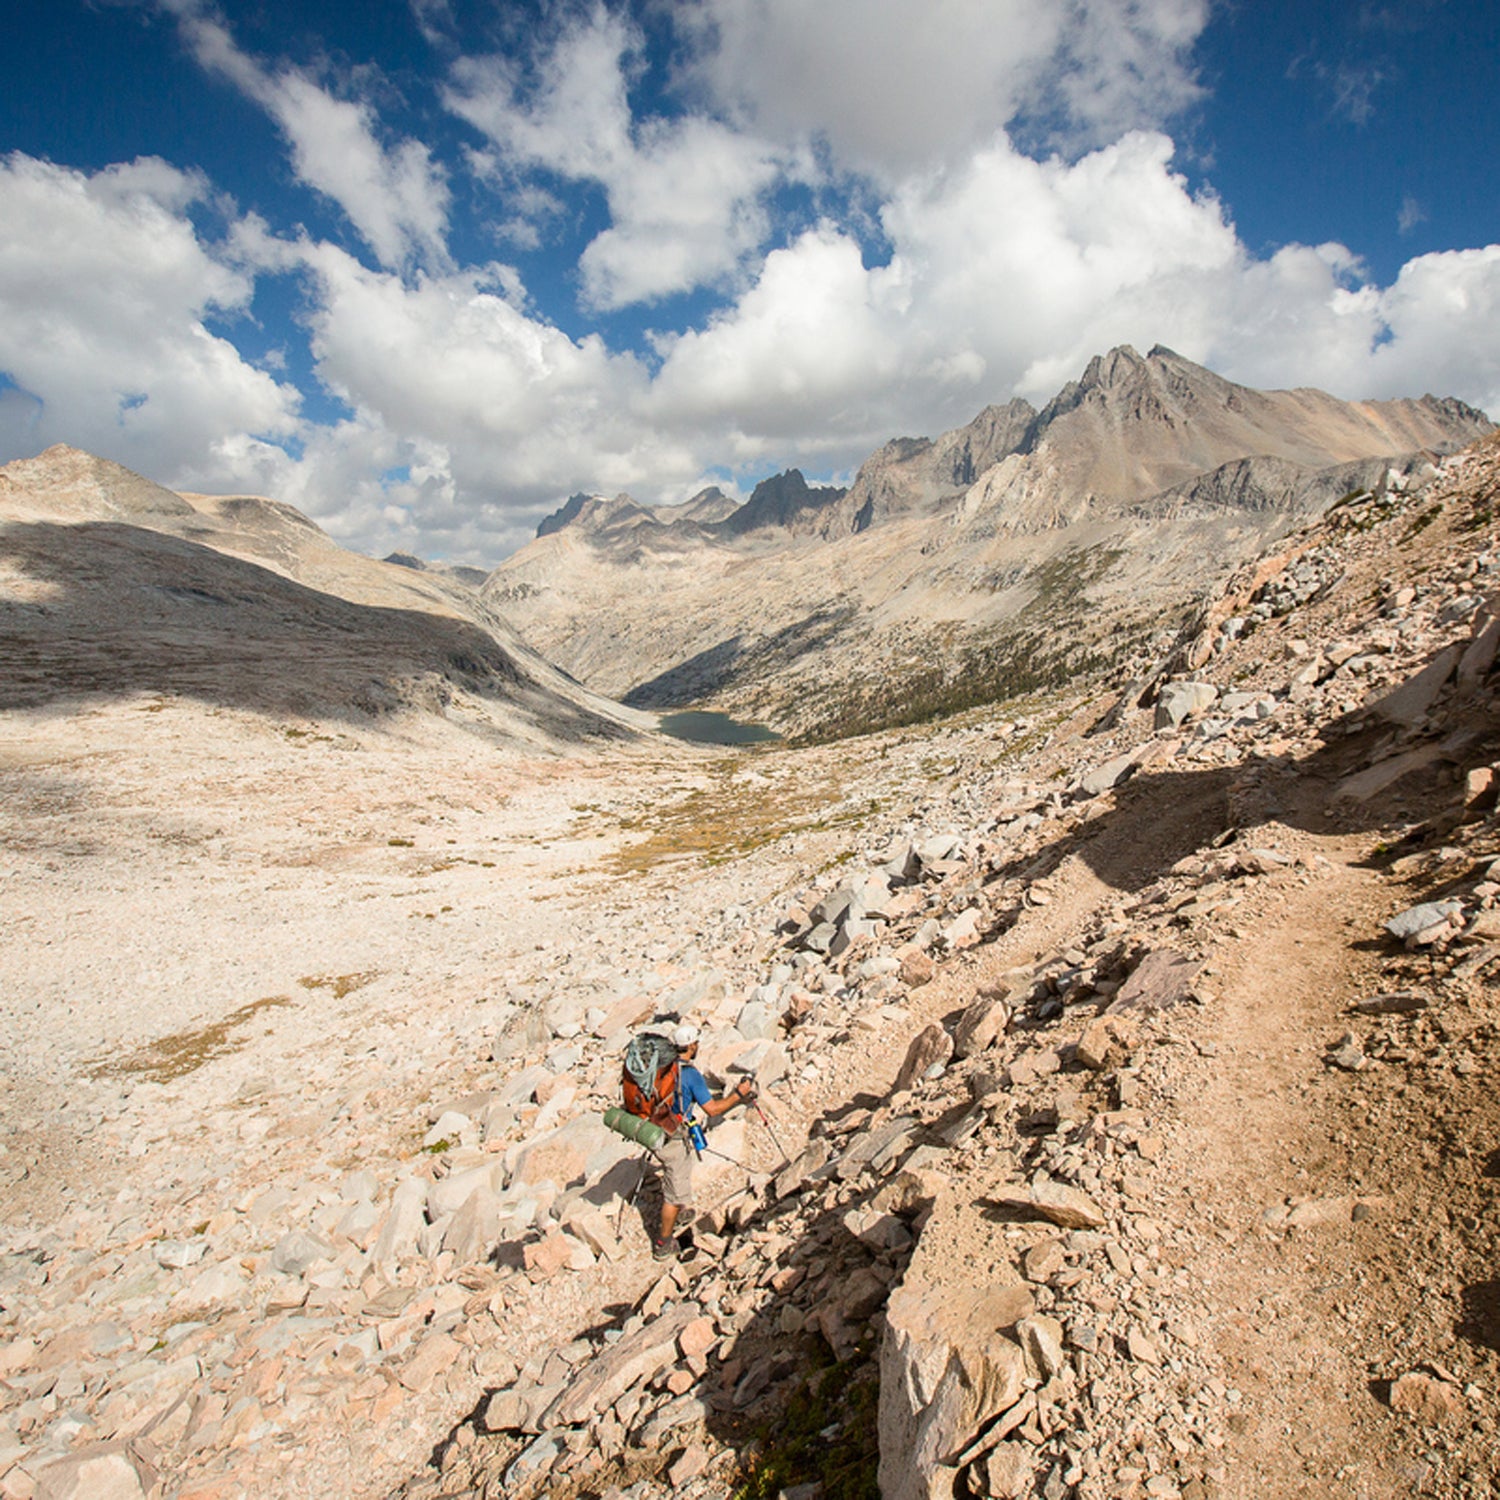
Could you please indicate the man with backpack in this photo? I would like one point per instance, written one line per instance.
(678, 1090)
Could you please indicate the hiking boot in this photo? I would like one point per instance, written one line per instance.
(663, 1249)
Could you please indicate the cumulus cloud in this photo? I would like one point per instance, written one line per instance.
(395, 195)
(893, 85)
(999, 268)
(104, 309)
(685, 194)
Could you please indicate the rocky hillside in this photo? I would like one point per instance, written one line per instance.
(1126, 1060)
(1009, 555)
(111, 585)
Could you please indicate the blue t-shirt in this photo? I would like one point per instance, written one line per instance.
(691, 1087)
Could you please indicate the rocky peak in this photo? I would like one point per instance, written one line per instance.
(70, 482)
(783, 500)
(594, 513)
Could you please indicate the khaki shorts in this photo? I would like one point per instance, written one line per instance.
(676, 1157)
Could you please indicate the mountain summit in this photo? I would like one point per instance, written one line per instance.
(993, 555)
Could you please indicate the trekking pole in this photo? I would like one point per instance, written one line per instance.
(639, 1183)
(775, 1141)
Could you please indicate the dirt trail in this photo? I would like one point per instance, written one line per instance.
(1266, 1132)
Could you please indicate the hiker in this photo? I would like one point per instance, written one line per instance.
(676, 1153)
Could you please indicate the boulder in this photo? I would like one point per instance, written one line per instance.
(475, 1227)
(982, 1023)
(106, 1471)
(397, 1240)
(1162, 979)
(1180, 700)
(581, 1150)
(1103, 778)
(450, 1194)
(1424, 924)
(946, 1368)
(931, 1047)
(1409, 704)
(634, 1360)
(757, 1021)
(298, 1251)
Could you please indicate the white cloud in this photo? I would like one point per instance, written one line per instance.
(685, 195)
(103, 303)
(1443, 319)
(894, 85)
(395, 196)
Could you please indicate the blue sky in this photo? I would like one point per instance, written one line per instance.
(426, 267)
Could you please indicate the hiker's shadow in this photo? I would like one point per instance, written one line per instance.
(1480, 1323)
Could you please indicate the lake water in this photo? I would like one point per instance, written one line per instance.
(714, 729)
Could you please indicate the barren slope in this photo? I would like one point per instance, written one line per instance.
(113, 586)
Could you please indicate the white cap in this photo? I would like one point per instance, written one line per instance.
(685, 1035)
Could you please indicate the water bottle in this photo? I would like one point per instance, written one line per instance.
(696, 1136)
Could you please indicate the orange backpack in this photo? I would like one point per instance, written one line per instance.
(650, 1080)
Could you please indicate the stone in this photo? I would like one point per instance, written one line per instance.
(1421, 925)
(1105, 1043)
(931, 1047)
(1104, 778)
(757, 1022)
(981, 1025)
(432, 1358)
(1008, 1471)
(582, 1150)
(1043, 1261)
(449, 1195)
(1397, 1003)
(1348, 1055)
(397, 1240)
(103, 1472)
(697, 1338)
(593, 1227)
(1409, 704)
(451, 1127)
(946, 1368)
(1163, 979)
(475, 1228)
(1432, 1402)
(544, 1258)
(1141, 1349)
(636, 1358)
(1069, 1207)
(296, 1253)
(917, 969)
(178, 1255)
(794, 1176)
(534, 1460)
(1180, 700)
(1479, 655)
(1042, 1343)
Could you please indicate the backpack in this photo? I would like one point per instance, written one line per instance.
(650, 1080)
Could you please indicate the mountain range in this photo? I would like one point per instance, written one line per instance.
(1007, 554)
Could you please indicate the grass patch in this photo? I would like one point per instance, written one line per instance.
(1421, 523)
(827, 1434)
(184, 1052)
(340, 984)
(726, 821)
